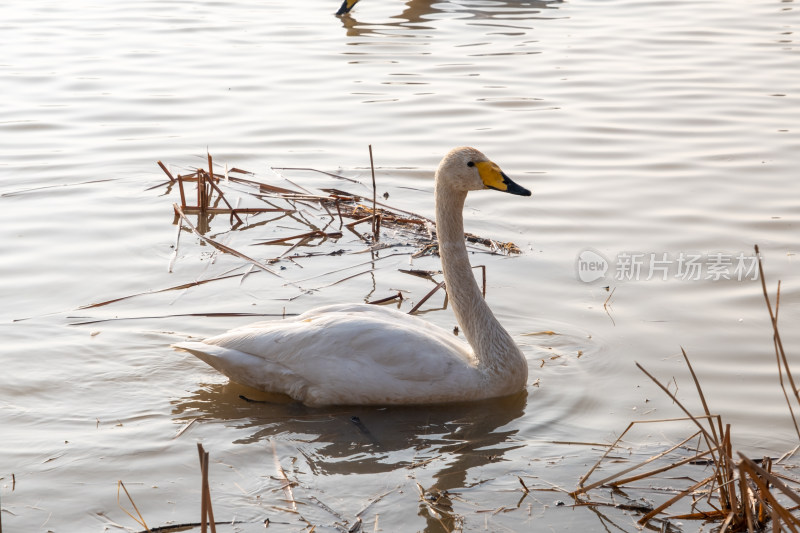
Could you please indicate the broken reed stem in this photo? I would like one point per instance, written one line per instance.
(315, 233)
(375, 221)
(201, 187)
(723, 460)
(682, 494)
(755, 469)
(398, 296)
(222, 197)
(746, 498)
(287, 485)
(483, 278)
(206, 511)
(776, 336)
(702, 398)
(220, 246)
(441, 284)
(765, 499)
(140, 519)
(679, 404)
(167, 172)
(661, 469)
(727, 452)
(425, 298)
(210, 165)
(172, 179)
(626, 470)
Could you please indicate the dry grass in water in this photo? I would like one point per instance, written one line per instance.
(349, 210)
(324, 217)
(738, 493)
(206, 523)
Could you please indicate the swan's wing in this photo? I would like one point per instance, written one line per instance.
(345, 354)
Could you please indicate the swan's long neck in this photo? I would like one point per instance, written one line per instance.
(497, 354)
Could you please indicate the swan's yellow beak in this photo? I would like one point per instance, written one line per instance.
(494, 178)
(347, 5)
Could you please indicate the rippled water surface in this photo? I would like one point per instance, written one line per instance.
(657, 134)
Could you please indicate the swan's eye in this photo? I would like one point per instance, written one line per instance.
(471, 164)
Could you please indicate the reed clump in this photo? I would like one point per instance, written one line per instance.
(738, 494)
(310, 225)
(350, 210)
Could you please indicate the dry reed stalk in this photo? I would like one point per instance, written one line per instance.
(370, 262)
(376, 219)
(656, 471)
(372, 501)
(441, 285)
(766, 502)
(754, 469)
(426, 297)
(172, 179)
(140, 519)
(308, 169)
(396, 297)
(581, 489)
(437, 504)
(316, 233)
(202, 200)
(368, 218)
(186, 427)
(206, 510)
(177, 315)
(214, 186)
(287, 485)
(345, 279)
(705, 433)
(194, 210)
(218, 245)
(167, 172)
(674, 499)
(157, 291)
(780, 354)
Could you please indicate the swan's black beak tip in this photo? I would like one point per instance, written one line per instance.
(347, 5)
(514, 188)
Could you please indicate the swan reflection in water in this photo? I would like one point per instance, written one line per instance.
(367, 440)
(420, 13)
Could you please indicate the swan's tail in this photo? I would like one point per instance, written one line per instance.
(243, 367)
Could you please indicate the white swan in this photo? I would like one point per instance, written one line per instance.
(367, 354)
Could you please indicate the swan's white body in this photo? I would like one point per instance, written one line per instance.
(366, 354)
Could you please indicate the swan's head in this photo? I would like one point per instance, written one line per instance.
(347, 5)
(467, 169)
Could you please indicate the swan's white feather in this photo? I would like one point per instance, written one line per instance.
(347, 353)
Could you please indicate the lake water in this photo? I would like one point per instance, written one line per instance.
(654, 135)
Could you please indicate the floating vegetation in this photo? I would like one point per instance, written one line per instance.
(321, 218)
(332, 208)
(310, 226)
(737, 492)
